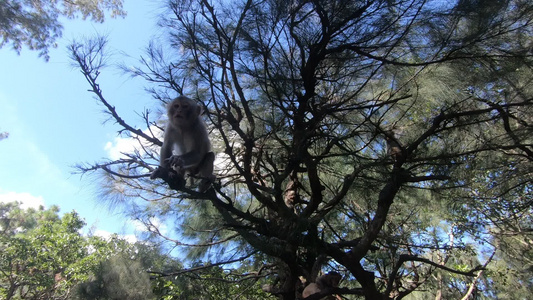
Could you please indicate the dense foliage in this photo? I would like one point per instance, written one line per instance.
(390, 141)
(42, 256)
(45, 256)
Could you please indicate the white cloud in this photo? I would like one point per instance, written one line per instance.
(27, 200)
(138, 225)
(102, 233)
(131, 238)
(154, 225)
(119, 145)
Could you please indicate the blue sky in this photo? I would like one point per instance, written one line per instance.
(55, 123)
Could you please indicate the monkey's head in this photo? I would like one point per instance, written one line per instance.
(331, 279)
(183, 112)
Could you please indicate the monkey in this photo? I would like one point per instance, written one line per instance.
(394, 148)
(329, 280)
(186, 146)
(291, 196)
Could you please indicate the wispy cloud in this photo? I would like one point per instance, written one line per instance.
(151, 225)
(115, 149)
(131, 238)
(27, 200)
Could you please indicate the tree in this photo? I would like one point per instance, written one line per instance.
(42, 256)
(36, 24)
(387, 140)
(45, 256)
(119, 277)
(207, 282)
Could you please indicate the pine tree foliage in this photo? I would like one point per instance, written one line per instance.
(389, 141)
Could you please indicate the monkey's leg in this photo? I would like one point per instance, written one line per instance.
(175, 162)
(205, 172)
(159, 172)
(178, 176)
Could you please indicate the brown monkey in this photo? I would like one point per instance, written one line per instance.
(291, 196)
(394, 148)
(186, 146)
(323, 282)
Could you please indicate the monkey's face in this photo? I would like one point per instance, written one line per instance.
(331, 279)
(335, 280)
(183, 111)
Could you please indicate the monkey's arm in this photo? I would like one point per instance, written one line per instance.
(166, 152)
(193, 150)
(166, 149)
(187, 160)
